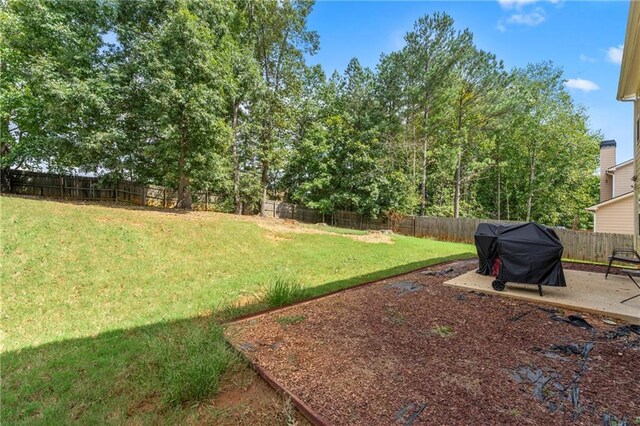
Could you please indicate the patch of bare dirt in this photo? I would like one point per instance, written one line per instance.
(148, 405)
(280, 227)
(246, 399)
(412, 351)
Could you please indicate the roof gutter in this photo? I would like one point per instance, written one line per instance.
(609, 201)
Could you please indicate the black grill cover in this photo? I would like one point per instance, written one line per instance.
(486, 239)
(529, 253)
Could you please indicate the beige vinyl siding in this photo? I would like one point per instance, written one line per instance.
(623, 179)
(616, 218)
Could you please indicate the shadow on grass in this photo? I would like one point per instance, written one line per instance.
(139, 375)
(149, 374)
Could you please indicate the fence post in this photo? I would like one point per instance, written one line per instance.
(62, 186)
(117, 191)
(144, 195)
(206, 200)
(293, 211)
(164, 197)
(414, 226)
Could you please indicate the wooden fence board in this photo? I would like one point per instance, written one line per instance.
(92, 189)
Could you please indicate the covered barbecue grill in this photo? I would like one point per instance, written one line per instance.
(486, 240)
(528, 253)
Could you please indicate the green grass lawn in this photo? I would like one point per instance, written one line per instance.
(107, 310)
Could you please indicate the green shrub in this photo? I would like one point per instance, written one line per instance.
(284, 292)
(226, 311)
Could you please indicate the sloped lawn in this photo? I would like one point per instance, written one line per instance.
(107, 311)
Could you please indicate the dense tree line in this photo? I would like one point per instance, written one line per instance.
(217, 95)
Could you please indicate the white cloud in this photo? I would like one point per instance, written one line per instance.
(517, 4)
(585, 58)
(501, 27)
(614, 54)
(581, 84)
(529, 19)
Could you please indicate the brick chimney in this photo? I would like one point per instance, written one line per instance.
(607, 160)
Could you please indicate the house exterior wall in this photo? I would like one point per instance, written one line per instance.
(607, 160)
(629, 91)
(616, 218)
(636, 160)
(623, 180)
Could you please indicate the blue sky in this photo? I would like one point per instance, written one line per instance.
(584, 38)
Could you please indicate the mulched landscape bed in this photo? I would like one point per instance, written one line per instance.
(410, 350)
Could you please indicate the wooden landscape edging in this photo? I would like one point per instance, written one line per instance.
(310, 415)
(308, 412)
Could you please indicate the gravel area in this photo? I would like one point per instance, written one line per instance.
(412, 351)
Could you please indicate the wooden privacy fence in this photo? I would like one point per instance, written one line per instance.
(578, 245)
(93, 189)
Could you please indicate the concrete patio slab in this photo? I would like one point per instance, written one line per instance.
(585, 291)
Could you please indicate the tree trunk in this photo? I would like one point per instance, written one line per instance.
(532, 175)
(5, 178)
(414, 149)
(265, 183)
(507, 200)
(5, 171)
(423, 186)
(236, 160)
(499, 178)
(184, 193)
(456, 197)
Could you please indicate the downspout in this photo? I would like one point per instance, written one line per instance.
(613, 184)
(636, 163)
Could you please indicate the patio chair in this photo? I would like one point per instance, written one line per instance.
(632, 273)
(625, 255)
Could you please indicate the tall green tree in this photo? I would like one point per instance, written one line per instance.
(53, 91)
(281, 39)
(480, 101)
(432, 50)
(183, 64)
(550, 154)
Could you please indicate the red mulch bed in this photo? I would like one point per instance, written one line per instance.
(411, 350)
